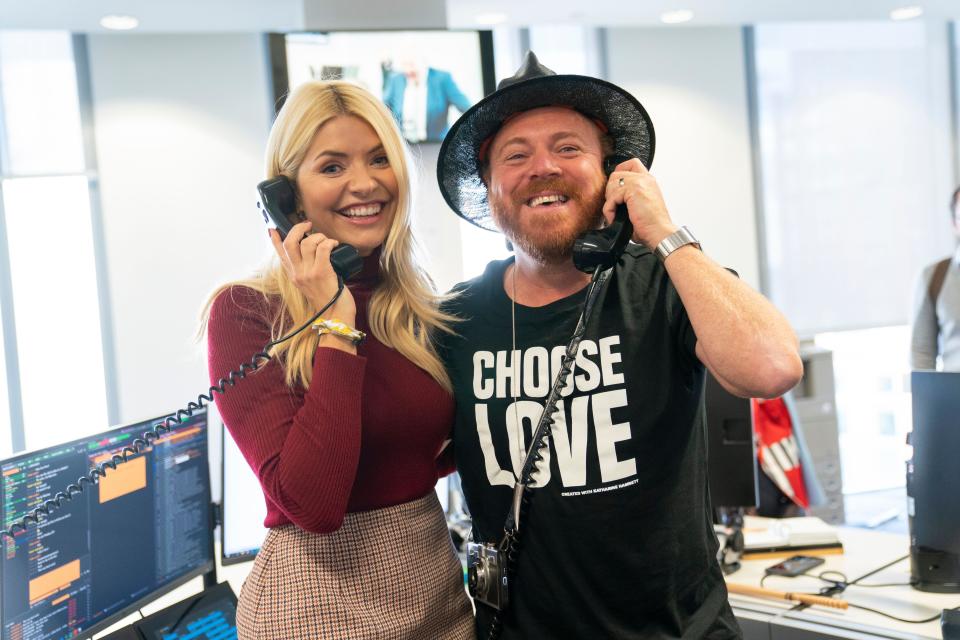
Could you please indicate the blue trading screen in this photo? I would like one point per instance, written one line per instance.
(144, 528)
(207, 625)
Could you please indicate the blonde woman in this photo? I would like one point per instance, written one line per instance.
(345, 438)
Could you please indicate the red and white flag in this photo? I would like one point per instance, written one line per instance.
(779, 455)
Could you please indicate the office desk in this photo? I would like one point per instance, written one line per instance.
(864, 551)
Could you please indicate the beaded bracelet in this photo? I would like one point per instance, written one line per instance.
(338, 328)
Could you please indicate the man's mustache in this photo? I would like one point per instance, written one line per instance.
(536, 187)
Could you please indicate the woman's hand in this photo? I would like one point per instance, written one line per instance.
(306, 259)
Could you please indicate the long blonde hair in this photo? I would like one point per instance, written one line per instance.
(404, 309)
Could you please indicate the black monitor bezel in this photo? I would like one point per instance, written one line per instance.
(717, 457)
(280, 80)
(196, 572)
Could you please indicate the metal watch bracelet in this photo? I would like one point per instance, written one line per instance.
(679, 238)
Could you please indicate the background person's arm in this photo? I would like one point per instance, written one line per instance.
(924, 331)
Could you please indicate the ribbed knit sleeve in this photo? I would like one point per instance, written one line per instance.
(303, 445)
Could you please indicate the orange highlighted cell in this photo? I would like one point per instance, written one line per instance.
(53, 581)
(62, 598)
(126, 478)
(10, 472)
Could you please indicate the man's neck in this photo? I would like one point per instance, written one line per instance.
(536, 284)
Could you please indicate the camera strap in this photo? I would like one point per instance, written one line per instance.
(541, 435)
(509, 546)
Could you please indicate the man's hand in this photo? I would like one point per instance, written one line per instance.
(632, 184)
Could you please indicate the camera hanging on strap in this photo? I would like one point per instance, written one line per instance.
(490, 566)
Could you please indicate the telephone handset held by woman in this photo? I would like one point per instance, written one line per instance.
(278, 205)
(601, 248)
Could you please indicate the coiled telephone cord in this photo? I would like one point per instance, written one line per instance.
(139, 445)
(510, 544)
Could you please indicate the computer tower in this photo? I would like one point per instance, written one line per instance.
(933, 482)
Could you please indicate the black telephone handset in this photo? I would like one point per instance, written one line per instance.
(601, 248)
(278, 206)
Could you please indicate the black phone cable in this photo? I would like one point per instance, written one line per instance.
(510, 545)
(139, 445)
(841, 585)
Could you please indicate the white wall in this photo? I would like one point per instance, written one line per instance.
(180, 127)
(181, 123)
(692, 82)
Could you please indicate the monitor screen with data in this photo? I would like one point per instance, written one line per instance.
(142, 530)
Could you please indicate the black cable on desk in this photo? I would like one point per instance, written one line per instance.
(893, 617)
(875, 571)
(839, 586)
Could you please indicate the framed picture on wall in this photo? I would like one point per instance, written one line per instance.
(426, 78)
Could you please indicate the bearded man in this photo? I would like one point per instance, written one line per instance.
(618, 539)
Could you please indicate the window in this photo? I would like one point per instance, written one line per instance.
(853, 126)
(53, 298)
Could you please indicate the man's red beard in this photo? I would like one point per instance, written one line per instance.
(548, 243)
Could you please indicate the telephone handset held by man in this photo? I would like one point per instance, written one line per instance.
(277, 204)
(601, 248)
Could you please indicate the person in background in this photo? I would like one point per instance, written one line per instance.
(420, 97)
(344, 433)
(617, 540)
(936, 308)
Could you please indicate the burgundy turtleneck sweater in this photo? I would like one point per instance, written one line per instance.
(366, 433)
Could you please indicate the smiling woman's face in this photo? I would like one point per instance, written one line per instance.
(347, 188)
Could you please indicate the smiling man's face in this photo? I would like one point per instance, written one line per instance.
(545, 180)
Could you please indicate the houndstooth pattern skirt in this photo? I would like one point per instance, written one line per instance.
(388, 573)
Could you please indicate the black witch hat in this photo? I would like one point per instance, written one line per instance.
(533, 86)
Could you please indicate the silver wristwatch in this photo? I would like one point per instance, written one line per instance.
(674, 241)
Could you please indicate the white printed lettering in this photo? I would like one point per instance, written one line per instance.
(536, 373)
(482, 387)
(609, 434)
(572, 450)
(608, 358)
(591, 378)
(495, 475)
(505, 372)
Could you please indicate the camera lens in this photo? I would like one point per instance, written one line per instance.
(482, 573)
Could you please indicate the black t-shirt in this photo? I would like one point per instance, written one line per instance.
(618, 541)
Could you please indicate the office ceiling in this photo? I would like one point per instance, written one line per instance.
(166, 16)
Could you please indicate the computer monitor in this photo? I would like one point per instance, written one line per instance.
(144, 529)
(425, 77)
(731, 455)
(933, 482)
(243, 507)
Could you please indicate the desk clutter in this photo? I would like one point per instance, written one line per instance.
(865, 591)
(778, 537)
(208, 615)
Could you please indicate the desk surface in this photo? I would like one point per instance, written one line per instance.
(864, 551)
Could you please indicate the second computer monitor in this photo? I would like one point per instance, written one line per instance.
(731, 455)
